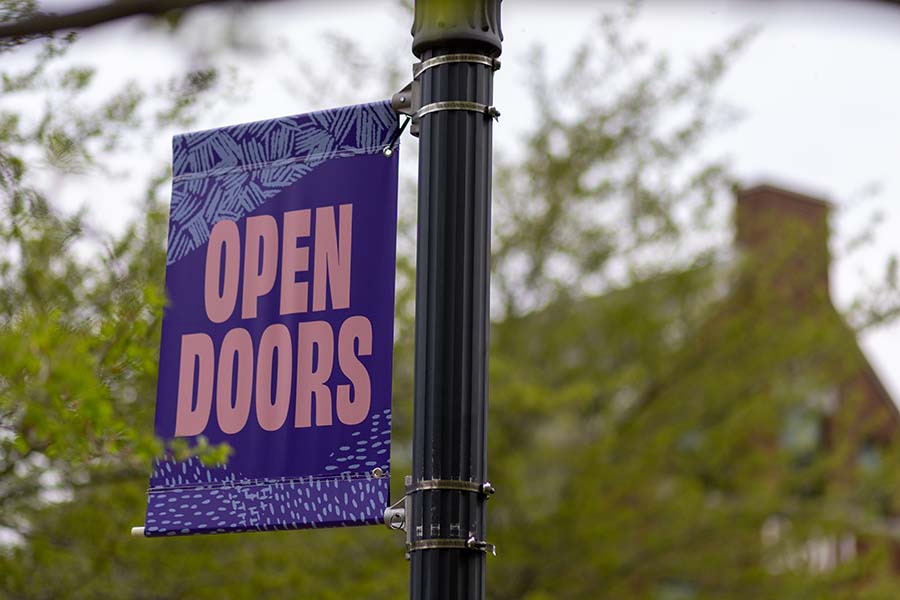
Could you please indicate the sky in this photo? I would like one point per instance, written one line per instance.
(818, 87)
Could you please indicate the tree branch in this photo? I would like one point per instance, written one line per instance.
(42, 24)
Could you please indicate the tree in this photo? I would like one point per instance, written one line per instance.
(79, 307)
(638, 400)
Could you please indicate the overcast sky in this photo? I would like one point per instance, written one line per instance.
(819, 87)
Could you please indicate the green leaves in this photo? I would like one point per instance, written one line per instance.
(608, 179)
(80, 308)
(642, 384)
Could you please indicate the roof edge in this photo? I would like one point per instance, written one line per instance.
(768, 188)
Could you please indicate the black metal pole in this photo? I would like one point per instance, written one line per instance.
(447, 525)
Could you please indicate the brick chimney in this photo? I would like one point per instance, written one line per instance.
(784, 234)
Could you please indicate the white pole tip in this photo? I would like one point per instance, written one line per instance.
(137, 531)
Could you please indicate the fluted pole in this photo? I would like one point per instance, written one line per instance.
(452, 298)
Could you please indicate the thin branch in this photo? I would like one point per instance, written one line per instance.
(42, 24)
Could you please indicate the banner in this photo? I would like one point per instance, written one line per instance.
(278, 334)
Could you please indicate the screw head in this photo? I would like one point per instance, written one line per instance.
(387, 151)
(377, 473)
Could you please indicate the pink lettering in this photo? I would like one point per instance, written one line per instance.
(355, 411)
(311, 378)
(191, 419)
(332, 257)
(271, 416)
(233, 414)
(294, 260)
(225, 236)
(261, 231)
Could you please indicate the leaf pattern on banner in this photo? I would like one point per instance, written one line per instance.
(229, 172)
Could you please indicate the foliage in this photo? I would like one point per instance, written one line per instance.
(643, 387)
(79, 308)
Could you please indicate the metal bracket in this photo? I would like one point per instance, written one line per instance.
(408, 101)
(490, 111)
(486, 489)
(481, 59)
(452, 544)
(395, 516)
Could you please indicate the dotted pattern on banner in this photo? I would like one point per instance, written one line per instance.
(367, 452)
(273, 506)
(189, 497)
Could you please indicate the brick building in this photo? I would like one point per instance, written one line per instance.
(784, 235)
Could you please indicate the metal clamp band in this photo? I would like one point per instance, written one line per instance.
(480, 59)
(452, 484)
(452, 544)
(489, 111)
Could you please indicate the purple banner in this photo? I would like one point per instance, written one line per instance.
(278, 334)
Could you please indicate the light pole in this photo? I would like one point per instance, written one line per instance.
(457, 42)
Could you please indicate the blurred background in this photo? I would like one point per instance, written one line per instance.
(694, 367)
